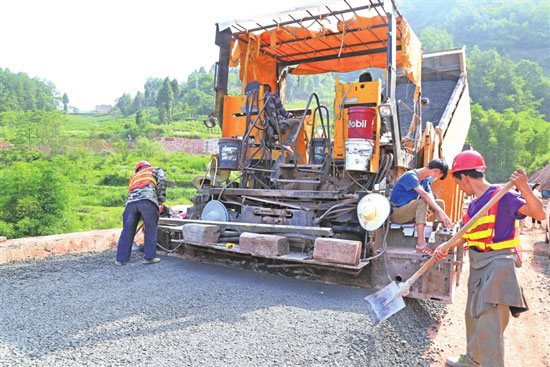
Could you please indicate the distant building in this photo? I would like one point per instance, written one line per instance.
(103, 108)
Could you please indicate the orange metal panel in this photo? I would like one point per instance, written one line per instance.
(449, 191)
(349, 95)
(234, 120)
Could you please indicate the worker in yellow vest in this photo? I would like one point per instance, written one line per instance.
(146, 193)
(494, 291)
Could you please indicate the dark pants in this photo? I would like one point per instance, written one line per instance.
(293, 125)
(134, 211)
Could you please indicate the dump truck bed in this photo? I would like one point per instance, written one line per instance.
(441, 73)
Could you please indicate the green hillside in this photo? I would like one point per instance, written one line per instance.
(64, 172)
(68, 173)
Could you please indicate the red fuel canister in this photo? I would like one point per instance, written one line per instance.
(360, 122)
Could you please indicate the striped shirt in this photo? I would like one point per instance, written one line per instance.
(277, 109)
(156, 194)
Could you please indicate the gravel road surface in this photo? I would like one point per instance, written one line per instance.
(85, 311)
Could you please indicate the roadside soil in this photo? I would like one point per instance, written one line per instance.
(527, 338)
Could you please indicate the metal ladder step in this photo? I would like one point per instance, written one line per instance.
(284, 180)
(258, 169)
(310, 171)
(301, 165)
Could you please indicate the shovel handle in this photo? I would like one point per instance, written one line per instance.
(458, 235)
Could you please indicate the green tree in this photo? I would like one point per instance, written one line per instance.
(175, 90)
(436, 39)
(536, 83)
(65, 102)
(201, 103)
(39, 130)
(139, 118)
(151, 91)
(165, 101)
(509, 140)
(137, 104)
(18, 92)
(124, 103)
(121, 147)
(504, 26)
(495, 84)
(147, 149)
(32, 201)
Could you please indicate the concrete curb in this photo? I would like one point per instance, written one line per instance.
(71, 243)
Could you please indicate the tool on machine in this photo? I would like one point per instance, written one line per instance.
(389, 300)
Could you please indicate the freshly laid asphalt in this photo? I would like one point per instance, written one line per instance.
(85, 311)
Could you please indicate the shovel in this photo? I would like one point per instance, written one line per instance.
(135, 246)
(389, 299)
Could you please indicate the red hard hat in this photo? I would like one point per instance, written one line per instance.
(141, 164)
(468, 160)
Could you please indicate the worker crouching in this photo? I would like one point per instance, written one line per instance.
(146, 193)
(494, 291)
(412, 197)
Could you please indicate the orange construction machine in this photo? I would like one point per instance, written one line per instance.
(319, 206)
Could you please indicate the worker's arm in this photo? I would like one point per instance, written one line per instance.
(431, 202)
(533, 206)
(161, 186)
(439, 254)
(280, 109)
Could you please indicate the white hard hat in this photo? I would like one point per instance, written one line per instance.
(372, 211)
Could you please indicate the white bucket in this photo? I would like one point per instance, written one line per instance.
(358, 152)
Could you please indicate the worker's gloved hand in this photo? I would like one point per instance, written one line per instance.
(439, 254)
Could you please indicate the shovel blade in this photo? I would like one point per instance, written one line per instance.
(384, 303)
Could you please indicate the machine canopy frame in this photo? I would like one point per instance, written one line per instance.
(327, 36)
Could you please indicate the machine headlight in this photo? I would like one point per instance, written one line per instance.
(210, 122)
(385, 110)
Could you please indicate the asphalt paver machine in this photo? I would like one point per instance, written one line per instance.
(321, 211)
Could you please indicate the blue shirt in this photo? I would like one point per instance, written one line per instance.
(403, 191)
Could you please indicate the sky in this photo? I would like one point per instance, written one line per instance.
(97, 50)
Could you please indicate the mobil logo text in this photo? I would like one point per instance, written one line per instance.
(358, 124)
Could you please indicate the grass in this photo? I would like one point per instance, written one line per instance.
(81, 127)
(190, 129)
(93, 218)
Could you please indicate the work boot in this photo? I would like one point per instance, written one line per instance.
(462, 361)
(119, 263)
(151, 261)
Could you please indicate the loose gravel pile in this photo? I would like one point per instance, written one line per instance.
(85, 311)
(439, 93)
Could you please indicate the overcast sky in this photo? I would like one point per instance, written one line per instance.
(97, 50)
